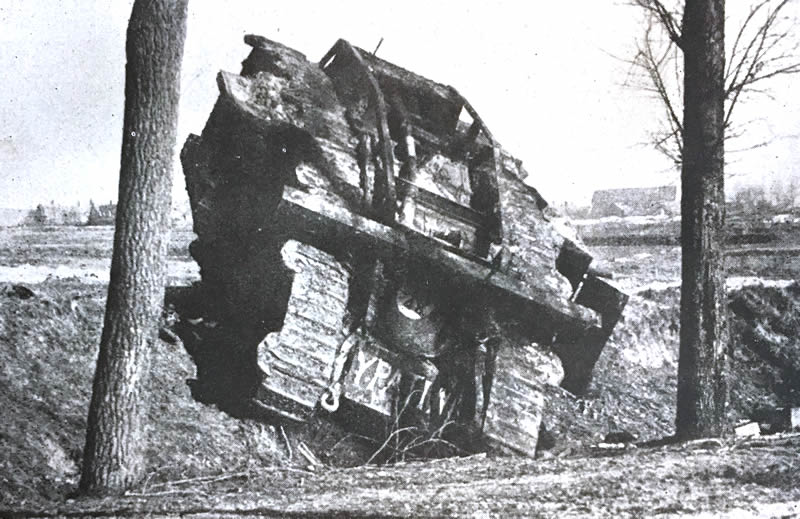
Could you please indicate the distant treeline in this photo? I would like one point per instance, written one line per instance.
(79, 215)
(54, 214)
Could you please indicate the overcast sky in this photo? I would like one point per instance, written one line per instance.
(545, 77)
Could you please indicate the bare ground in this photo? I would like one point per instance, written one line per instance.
(700, 479)
(215, 465)
(35, 254)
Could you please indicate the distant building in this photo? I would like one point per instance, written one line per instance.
(635, 201)
(103, 214)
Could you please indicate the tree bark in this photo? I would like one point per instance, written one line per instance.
(115, 438)
(702, 390)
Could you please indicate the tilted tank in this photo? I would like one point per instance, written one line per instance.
(370, 253)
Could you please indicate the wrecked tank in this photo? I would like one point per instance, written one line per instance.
(369, 253)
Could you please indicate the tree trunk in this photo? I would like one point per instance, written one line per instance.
(702, 389)
(115, 438)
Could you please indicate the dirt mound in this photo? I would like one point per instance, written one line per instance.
(48, 348)
(765, 346)
(634, 385)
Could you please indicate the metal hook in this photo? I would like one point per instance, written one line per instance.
(330, 398)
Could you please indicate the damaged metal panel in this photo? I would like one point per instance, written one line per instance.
(516, 400)
(317, 220)
(365, 242)
(298, 361)
(375, 378)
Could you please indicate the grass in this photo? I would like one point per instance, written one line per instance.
(48, 348)
(53, 245)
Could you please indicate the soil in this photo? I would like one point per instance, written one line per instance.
(701, 479)
(216, 465)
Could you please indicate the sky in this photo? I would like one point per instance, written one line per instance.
(549, 80)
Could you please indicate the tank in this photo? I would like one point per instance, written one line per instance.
(370, 254)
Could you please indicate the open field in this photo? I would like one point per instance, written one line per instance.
(640, 267)
(33, 254)
(214, 464)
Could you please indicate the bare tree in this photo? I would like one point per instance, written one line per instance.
(751, 200)
(702, 377)
(696, 142)
(784, 194)
(764, 47)
(114, 450)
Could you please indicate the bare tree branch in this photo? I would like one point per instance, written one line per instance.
(657, 65)
(740, 34)
(752, 65)
(668, 19)
(765, 47)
